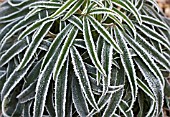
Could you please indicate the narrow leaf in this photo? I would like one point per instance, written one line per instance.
(91, 46)
(154, 83)
(63, 8)
(60, 90)
(37, 39)
(64, 51)
(78, 98)
(127, 64)
(104, 33)
(74, 9)
(81, 73)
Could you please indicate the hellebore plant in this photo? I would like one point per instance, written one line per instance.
(100, 58)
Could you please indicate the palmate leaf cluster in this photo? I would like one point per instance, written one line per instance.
(103, 58)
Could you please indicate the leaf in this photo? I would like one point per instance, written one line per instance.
(80, 43)
(60, 90)
(16, 48)
(55, 44)
(14, 16)
(64, 51)
(153, 51)
(130, 7)
(123, 106)
(128, 65)
(45, 44)
(46, 5)
(11, 83)
(90, 46)
(106, 59)
(17, 111)
(76, 21)
(113, 103)
(27, 109)
(14, 79)
(20, 25)
(145, 88)
(74, 9)
(69, 101)
(7, 28)
(99, 53)
(32, 28)
(49, 103)
(37, 39)
(99, 88)
(154, 22)
(119, 79)
(104, 33)
(63, 8)
(154, 83)
(27, 94)
(142, 53)
(116, 21)
(43, 85)
(2, 82)
(154, 35)
(116, 12)
(33, 73)
(139, 4)
(78, 98)
(81, 73)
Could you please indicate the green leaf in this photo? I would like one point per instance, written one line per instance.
(64, 51)
(33, 74)
(91, 46)
(14, 16)
(46, 5)
(145, 88)
(43, 85)
(116, 21)
(154, 83)
(99, 88)
(20, 25)
(154, 22)
(104, 33)
(114, 12)
(7, 28)
(123, 106)
(99, 53)
(81, 73)
(130, 7)
(37, 39)
(27, 109)
(153, 51)
(74, 9)
(76, 22)
(60, 90)
(13, 51)
(113, 103)
(10, 84)
(55, 44)
(118, 79)
(63, 8)
(144, 55)
(32, 28)
(154, 35)
(27, 94)
(128, 65)
(78, 98)
(49, 103)
(69, 101)
(80, 43)
(106, 59)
